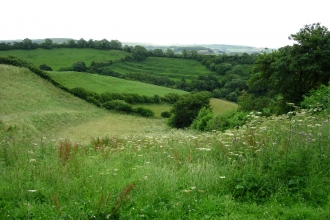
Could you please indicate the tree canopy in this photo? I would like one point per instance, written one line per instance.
(292, 71)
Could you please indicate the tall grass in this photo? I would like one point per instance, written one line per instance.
(269, 169)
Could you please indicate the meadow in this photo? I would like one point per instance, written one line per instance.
(174, 68)
(62, 158)
(100, 84)
(65, 57)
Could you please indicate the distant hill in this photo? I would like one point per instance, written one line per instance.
(55, 40)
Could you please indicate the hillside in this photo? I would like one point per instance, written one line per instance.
(37, 109)
(173, 68)
(58, 58)
(100, 84)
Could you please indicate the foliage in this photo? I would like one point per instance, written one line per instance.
(45, 67)
(186, 109)
(225, 121)
(145, 112)
(317, 99)
(118, 105)
(166, 114)
(200, 123)
(292, 71)
(79, 66)
(139, 53)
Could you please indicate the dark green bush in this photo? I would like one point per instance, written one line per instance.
(165, 114)
(145, 112)
(45, 67)
(205, 115)
(119, 106)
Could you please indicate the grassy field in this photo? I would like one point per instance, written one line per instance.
(172, 67)
(125, 167)
(39, 109)
(57, 58)
(100, 84)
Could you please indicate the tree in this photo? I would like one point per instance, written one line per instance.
(158, 53)
(79, 67)
(292, 71)
(47, 44)
(27, 44)
(81, 43)
(169, 52)
(139, 53)
(186, 109)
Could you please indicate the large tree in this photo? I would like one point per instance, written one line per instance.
(292, 71)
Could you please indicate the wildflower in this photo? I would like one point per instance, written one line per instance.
(222, 177)
(32, 190)
(32, 160)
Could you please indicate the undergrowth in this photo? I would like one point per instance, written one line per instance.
(275, 168)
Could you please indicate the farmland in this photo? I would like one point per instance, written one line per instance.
(101, 84)
(64, 158)
(58, 58)
(174, 68)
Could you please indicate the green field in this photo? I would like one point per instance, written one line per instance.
(100, 84)
(62, 158)
(174, 68)
(39, 109)
(58, 58)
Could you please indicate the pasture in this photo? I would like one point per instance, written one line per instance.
(100, 84)
(174, 68)
(58, 58)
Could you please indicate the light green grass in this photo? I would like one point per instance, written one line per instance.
(100, 84)
(39, 109)
(58, 58)
(220, 106)
(174, 68)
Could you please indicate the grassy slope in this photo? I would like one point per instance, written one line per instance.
(65, 57)
(101, 84)
(176, 172)
(172, 67)
(39, 108)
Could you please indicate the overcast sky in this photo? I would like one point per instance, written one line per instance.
(258, 23)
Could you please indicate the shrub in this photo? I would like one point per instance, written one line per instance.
(145, 112)
(165, 114)
(118, 105)
(171, 98)
(205, 115)
(230, 119)
(186, 109)
(45, 67)
(79, 66)
(317, 99)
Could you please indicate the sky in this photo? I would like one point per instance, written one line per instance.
(257, 23)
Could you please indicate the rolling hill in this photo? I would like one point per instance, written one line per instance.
(58, 58)
(35, 108)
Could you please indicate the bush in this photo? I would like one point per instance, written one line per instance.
(119, 106)
(45, 67)
(200, 123)
(145, 112)
(318, 99)
(165, 114)
(171, 98)
(79, 67)
(186, 109)
(230, 119)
